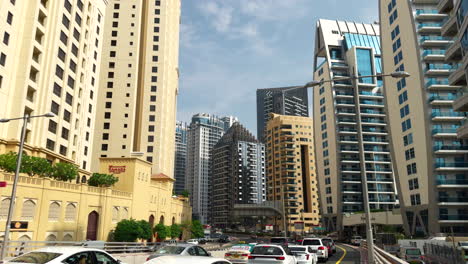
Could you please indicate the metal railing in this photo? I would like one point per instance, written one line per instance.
(381, 256)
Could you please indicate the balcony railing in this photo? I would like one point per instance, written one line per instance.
(347, 130)
(369, 102)
(426, 11)
(379, 169)
(370, 111)
(370, 93)
(380, 179)
(453, 199)
(451, 164)
(453, 217)
(433, 81)
(444, 130)
(433, 52)
(429, 25)
(448, 114)
(437, 148)
(433, 38)
(453, 182)
(442, 97)
(373, 120)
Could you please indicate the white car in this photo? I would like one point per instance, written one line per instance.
(274, 254)
(304, 254)
(66, 255)
(187, 260)
(318, 245)
(356, 240)
(193, 241)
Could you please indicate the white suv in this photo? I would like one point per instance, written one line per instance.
(274, 254)
(318, 245)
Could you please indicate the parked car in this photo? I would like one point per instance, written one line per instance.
(410, 254)
(180, 249)
(239, 253)
(60, 255)
(463, 246)
(224, 239)
(356, 240)
(318, 245)
(304, 254)
(193, 241)
(332, 244)
(187, 260)
(270, 253)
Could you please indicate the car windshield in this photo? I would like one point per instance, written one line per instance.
(170, 250)
(267, 250)
(278, 240)
(313, 242)
(36, 257)
(413, 251)
(327, 240)
(297, 249)
(240, 248)
(357, 237)
(464, 244)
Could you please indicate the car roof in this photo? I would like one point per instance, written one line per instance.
(180, 245)
(299, 246)
(178, 259)
(268, 245)
(312, 238)
(66, 250)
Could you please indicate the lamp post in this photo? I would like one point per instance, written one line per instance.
(25, 119)
(354, 78)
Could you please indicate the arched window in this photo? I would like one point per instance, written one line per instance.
(5, 204)
(115, 214)
(161, 219)
(70, 212)
(54, 211)
(29, 208)
(51, 237)
(24, 238)
(125, 213)
(83, 179)
(67, 237)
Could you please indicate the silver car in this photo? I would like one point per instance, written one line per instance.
(180, 249)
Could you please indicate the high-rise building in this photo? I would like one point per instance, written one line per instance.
(203, 133)
(431, 163)
(139, 83)
(237, 174)
(352, 142)
(49, 62)
(283, 101)
(291, 175)
(180, 157)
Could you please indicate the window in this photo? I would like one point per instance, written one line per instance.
(57, 90)
(54, 108)
(106, 125)
(322, 109)
(150, 138)
(395, 32)
(396, 45)
(65, 133)
(104, 147)
(52, 126)
(154, 78)
(105, 136)
(6, 38)
(59, 72)
(153, 98)
(108, 104)
(63, 38)
(28, 210)
(151, 128)
(149, 149)
(110, 85)
(71, 82)
(54, 211)
(116, 15)
(63, 150)
(411, 168)
(65, 21)
(70, 212)
(404, 111)
(152, 118)
(10, 18)
(115, 214)
(401, 83)
(69, 99)
(393, 16)
(323, 118)
(405, 125)
(409, 154)
(403, 97)
(2, 59)
(108, 94)
(66, 115)
(155, 58)
(72, 66)
(397, 58)
(408, 139)
(74, 50)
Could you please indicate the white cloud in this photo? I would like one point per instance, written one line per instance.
(220, 15)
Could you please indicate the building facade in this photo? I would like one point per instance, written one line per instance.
(237, 175)
(139, 83)
(203, 133)
(431, 162)
(49, 62)
(283, 101)
(350, 123)
(63, 211)
(291, 170)
(180, 157)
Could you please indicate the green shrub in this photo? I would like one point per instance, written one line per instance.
(197, 229)
(64, 171)
(176, 230)
(102, 180)
(162, 231)
(127, 230)
(146, 232)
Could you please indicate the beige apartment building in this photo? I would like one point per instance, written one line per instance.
(291, 175)
(49, 62)
(139, 83)
(431, 162)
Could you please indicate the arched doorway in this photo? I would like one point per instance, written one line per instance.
(151, 222)
(173, 220)
(161, 219)
(92, 228)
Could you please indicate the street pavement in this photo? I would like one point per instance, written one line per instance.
(345, 255)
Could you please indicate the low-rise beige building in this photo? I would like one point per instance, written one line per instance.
(291, 175)
(56, 210)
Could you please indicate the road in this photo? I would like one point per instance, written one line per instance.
(345, 255)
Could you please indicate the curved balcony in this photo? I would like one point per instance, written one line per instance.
(429, 27)
(452, 183)
(447, 116)
(450, 149)
(453, 200)
(442, 99)
(433, 55)
(449, 26)
(434, 41)
(453, 218)
(441, 85)
(429, 14)
(451, 165)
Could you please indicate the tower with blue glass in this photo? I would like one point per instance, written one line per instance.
(421, 37)
(352, 142)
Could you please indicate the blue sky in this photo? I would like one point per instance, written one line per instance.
(230, 48)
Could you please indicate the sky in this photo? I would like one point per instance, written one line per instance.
(231, 48)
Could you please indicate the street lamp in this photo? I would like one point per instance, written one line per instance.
(25, 119)
(397, 74)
